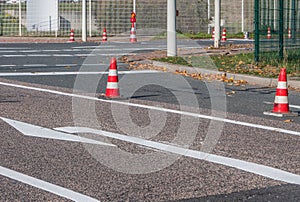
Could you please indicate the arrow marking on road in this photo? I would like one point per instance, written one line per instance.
(37, 131)
(258, 169)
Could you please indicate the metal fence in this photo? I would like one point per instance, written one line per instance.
(57, 17)
(277, 30)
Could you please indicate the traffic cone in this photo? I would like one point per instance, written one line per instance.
(224, 35)
(269, 33)
(133, 34)
(72, 38)
(213, 34)
(104, 35)
(289, 33)
(112, 90)
(281, 104)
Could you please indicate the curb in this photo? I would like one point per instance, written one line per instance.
(252, 80)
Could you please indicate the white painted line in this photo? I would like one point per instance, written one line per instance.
(292, 106)
(8, 65)
(38, 55)
(75, 73)
(258, 169)
(15, 48)
(35, 65)
(50, 50)
(63, 65)
(62, 55)
(201, 116)
(37, 131)
(29, 51)
(8, 56)
(8, 51)
(46, 186)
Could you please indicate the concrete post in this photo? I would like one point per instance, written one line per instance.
(171, 29)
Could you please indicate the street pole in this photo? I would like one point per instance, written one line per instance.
(90, 18)
(20, 18)
(243, 16)
(134, 6)
(217, 23)
(171, 29)
(84, 27)
(208, 15)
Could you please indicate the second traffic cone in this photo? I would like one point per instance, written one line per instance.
(224, 38)
(281, 104)
(269, 36)
(112, 89)
(104, 35)
(213, 34)
(133, 34)
(72, 38)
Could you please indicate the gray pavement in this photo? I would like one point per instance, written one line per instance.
(168, 145)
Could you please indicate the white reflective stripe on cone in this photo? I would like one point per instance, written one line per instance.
(112, 85)
(281, 100)
(112, 72)
(282, 85)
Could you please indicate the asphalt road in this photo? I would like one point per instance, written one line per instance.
(168, 138)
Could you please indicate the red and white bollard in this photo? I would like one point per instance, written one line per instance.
(224, 38)
(72, 37)
(133, 38)
(269, 36)
(289, 33)
(104, 35)
(213, 34)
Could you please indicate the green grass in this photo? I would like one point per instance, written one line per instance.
(240, 63)
(199, 35)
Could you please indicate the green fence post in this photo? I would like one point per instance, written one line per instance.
(281, 29)
(256, 31)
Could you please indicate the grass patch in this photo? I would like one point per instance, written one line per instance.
(240, 63)
(200, 35)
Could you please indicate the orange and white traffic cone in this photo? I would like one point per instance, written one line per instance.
(213, 34)
(104, 35)
(112, 89)
(269, 36)
(133, 38)
(289, 33)
(224, 38)
(281, 104)
(72, 38)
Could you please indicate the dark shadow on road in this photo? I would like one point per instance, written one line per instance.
(281, 193)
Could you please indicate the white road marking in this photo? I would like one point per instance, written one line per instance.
(8, 65)
(201, 116)
(266, 171)
(37, 131)
(63, 65)
(46, 186)
(8, 56)
(38, 55)
(62, 55)
(35, 65)
(74, 73)
(292, 106)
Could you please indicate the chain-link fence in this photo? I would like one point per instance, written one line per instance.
(57, 17)
(277, 25)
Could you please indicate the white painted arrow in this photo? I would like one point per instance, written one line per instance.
(38, 131)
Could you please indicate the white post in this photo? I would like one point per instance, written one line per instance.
(90, 17)
(84, 20)
(217, 23)
(243, 29)
(208, 15)
(134, 6)
(171, 29)
(20, 18)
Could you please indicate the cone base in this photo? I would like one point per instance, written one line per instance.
(278, 114)
(112, 93)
